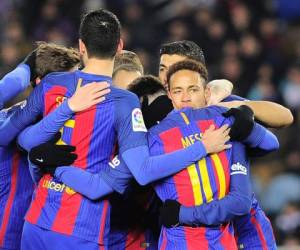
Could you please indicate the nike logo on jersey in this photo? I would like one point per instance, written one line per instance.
(40, 160)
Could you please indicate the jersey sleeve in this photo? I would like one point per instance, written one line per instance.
(236, 203)
(130, 126)
(90, 185)
(28, 113)
(44, 130)
(146, 168)
(35, 172)
(14, 83)
(262, 140)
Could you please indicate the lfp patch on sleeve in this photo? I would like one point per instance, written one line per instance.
(138, 121)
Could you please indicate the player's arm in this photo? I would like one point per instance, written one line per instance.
(44, 130)
(135, 152)
(90, 185)
(26, 114)
(269, 113)
(14, 83)
(254, 135)
(236, 203)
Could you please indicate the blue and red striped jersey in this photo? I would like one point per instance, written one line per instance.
(94, 132)
(16, 188)
(202, 182)
(132, 240)
(254, 230)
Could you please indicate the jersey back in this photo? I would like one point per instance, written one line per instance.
(94, 132)
(202, 182)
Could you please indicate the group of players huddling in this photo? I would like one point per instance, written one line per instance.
(76, 157)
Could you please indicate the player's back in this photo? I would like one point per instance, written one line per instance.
(202, 182)
(16, 188)
(94, 133)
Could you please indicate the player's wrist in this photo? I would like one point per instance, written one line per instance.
(72, 105)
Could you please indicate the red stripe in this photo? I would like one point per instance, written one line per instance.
(225, 164)
(164, 240)
(259, 230)
(102, 222)
(195, 238)
(227, 239)
(172, 142)
(70, 204)
(38, 202)
(134, 241)
(11, 196)
(204, 125)
(53, 98)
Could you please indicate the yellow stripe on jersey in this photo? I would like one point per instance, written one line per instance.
(184, 117)
(70, 124)
(60, 141)
(79, 83)
(205, 180)
(221, 174)
(195, 184)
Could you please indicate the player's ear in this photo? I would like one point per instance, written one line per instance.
(37, 80)
(82, 48)
(120, 46)
(207, 94)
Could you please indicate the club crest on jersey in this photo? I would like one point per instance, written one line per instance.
(138, 121)
(238, 168)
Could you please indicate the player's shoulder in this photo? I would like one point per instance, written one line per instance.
(171, 121)
(234, 98)
(58, 78)
(215, 110)
(122, 96)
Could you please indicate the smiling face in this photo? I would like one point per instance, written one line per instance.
(187, 89)
(165, 62)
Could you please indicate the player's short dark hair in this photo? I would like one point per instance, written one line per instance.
(157, 109)
(100, 31)
(146, 85)
(187, 65)
(51, 57)
(185, 48)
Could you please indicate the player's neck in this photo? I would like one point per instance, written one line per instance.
(99, 67)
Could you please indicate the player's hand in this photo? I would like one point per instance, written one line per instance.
(88, 95)
(219, 90)
(51, 155)
(169, 213)
(243, 122)
(30, 60)
(214, 140)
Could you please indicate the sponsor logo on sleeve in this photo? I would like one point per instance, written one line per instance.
(138, 124)
(238, 168)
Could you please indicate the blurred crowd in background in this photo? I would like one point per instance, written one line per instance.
(255, 44)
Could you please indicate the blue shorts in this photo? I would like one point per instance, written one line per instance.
(35, 238)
